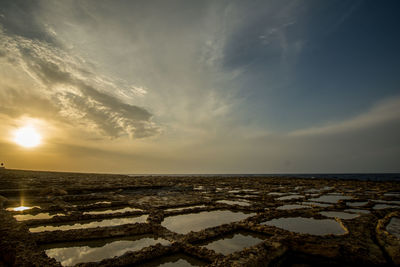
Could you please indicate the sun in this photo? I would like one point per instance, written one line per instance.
(27, 137)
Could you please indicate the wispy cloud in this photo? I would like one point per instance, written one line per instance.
(383, 112)
(72, 90)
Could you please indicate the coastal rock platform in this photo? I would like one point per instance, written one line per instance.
(76, 219)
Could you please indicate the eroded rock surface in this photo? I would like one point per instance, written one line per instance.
(361, 235)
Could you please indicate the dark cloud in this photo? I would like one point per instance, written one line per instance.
(18, 17)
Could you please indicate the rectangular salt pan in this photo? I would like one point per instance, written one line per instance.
(233, 243)
(185, 223)
(94, 224)
(69, 256)
(308, 226)
(394, 227)
(39, 216)
(231, 202)
(175, 260)
(108, 211)
(330, 198)
(187, 207)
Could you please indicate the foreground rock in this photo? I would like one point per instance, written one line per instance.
(361, 210)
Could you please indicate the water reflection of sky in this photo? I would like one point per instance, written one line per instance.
(197, 221)
(330, 198)
(109, 211)
(394, 226)
(39, 216)
(233, 243)
(308, 225)
(231, 202)
(72, 255)
(103, 223)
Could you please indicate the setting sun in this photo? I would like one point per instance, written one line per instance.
(27, 137)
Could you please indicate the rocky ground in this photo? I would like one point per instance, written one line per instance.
(71, 198)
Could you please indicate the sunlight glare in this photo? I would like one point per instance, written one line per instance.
(27, 137)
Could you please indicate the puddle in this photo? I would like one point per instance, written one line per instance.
(290, 197)
(231, 202)
(39, 216)
(248, 196)
(316, 190)
(357, 203)
(385, 206)
(276, 194)
(187, 207)
(94, 251)
(394, 226)
(21, 208)
(395, 202)
(308, 225)
(103, 202)
(339, 214)
(292, 207)
(313, 190)
(330, 198)
(93, 224)
(323, 205)
(178, 260)
(233, 243)
(108, 211)
(392, 194)
(185, 223)
(357, 211)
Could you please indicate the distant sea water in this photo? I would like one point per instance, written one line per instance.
(339, 176)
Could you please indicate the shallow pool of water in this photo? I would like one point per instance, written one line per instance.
(292, 207)
(339, 214)
(392, 194)
(185, 223)
(394, 226)
(233, 243)
(94, 251)
(187, 207)
(385, 206)
(330, 198)
(109, 211)
(290, 197)
(231, 202)
(395, 202)
(357, 203)
(276, 194)
(103, 202)
(21, 208)
(39, 216)
(176, 260)
(308, 225)
(316, 204)
(359, 211)
(93, 224)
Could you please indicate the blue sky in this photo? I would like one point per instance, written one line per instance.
(202, 86)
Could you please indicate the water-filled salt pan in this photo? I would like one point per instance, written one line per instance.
(185, 223)
(308, 225)
(94, 224)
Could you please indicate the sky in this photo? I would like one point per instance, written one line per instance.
(277, 86)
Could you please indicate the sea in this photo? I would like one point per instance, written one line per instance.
(338, 176)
